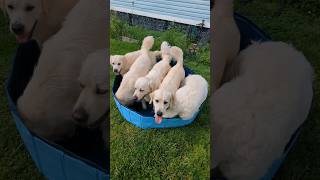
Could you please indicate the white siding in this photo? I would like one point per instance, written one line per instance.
(190, 12)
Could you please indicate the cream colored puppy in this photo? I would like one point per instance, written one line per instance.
(149, 83)
(188, 98)
(92, 103)
(226, 37)
(122, 63)
(138, 69)
(92, 107)
(255, 114)
(47, 103)
(36, 19)
(163, 96)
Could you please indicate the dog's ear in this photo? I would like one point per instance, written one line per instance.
(45, 7)
(172, 100)
(152, 86)
(111, 59)
(124, 60)
(151, 95)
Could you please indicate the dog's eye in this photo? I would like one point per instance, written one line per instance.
(141, 90)
(29, 8)
(165, 102)
(119, 64)
(101, 91)
(112, 63)
(82, 85)
(10, 7)
(157, 100)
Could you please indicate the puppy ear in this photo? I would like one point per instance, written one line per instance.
(111, 59)
(45, 7)
(124, 59)
(151, 86)
(172, 100)
(151, 95)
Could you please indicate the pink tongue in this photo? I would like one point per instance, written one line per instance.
(158, 119)
(22, 38)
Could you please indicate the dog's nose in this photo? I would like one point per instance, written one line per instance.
(116, 70)
(18, 29)
(135, 98)
(80, 115)
(159, 113)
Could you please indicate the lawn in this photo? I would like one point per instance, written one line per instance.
(180, 153)
(15, 162)
(299, 24)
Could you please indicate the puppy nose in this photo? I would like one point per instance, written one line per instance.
(135, 98)
(17, 29)
(159, 113)
(80, 115)
(116, 70)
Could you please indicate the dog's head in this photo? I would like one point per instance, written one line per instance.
(23, 15)
(142, 88)
(162, 101)
(92, 105)
(117, 62)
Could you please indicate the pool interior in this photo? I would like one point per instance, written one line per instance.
(87, 143)
(137, 107)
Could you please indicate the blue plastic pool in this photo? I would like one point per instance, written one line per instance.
(54, 161)
(145, 118)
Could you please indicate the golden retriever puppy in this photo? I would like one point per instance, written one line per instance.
(47, 103)
(163, 96)
(255, 114)
(138, 69)
(122, 63)
(226, 38)
(188, 99)
(92, 103)
(149, 83)
(36, 19)
(92, 106)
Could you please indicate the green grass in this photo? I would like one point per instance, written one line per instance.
(300, 28)
(161, 153)
(15, 162)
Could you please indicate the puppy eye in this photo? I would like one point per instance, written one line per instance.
(101, 91)
(29, 8)
(157, 100)
(112, 63)
(10, 7)
(165, 102)
(119, 64)
(141, 90)
(82, 85)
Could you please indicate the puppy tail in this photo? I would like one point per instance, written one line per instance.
(147, 43)
(165, 48)
(177, 54)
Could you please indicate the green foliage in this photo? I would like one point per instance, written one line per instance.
(311, 7)
(117, 27)
(173, 36)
